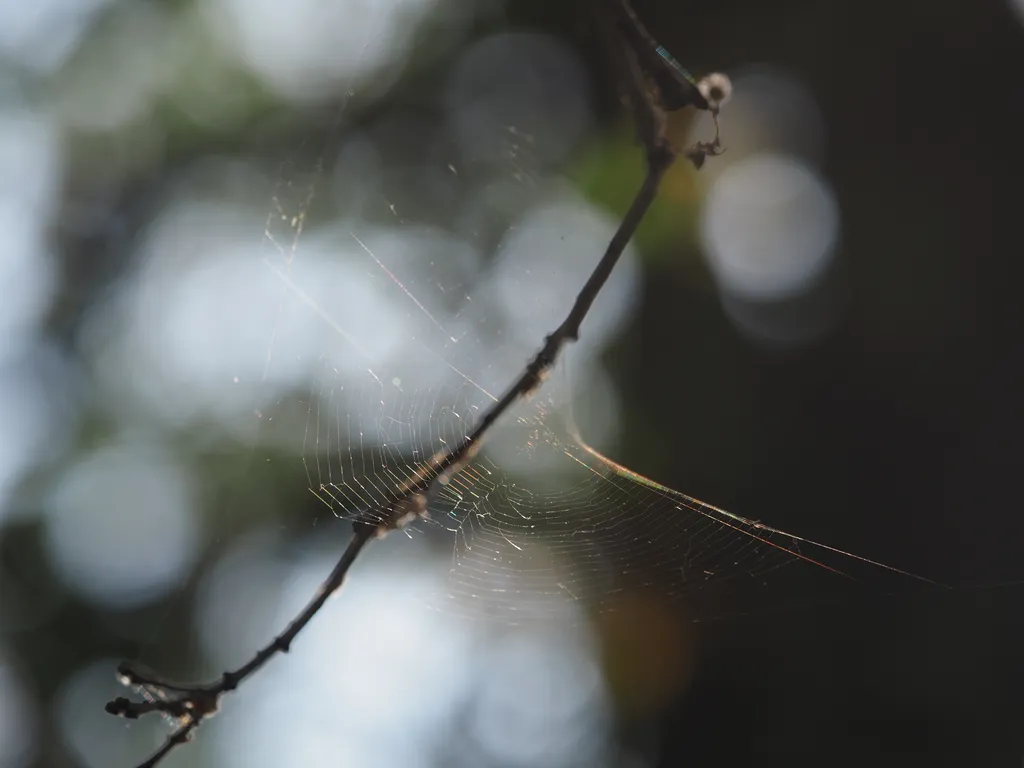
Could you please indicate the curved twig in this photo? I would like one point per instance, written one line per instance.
(190, 705)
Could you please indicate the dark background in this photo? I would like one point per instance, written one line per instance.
(903, 422)
(912, 397)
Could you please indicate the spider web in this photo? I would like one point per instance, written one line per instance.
(540, 518)
(588, 530)
(415, 345)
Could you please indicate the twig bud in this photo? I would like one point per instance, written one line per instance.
(716, 88)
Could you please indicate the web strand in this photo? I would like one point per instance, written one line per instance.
(383, 452)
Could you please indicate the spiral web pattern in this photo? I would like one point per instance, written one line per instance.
(586, 534)
(563, 525)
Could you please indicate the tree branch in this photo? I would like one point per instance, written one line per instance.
(190, 705)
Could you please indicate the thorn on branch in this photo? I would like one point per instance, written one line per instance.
(229, 680)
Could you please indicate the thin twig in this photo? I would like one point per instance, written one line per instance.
(193, 704)
(190, 705)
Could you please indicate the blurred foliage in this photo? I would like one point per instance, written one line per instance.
(895, 435)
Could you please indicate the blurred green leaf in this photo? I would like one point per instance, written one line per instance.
(610, 173)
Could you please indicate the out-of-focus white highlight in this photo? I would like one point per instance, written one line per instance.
(380, 677)
(238, 599)
(541, 701)
(518, 99)
(769, 111)
(582, 391)
(29, 187)
(1017, 6)
(769, 227)
(189, 333)
(542, 264)
(206, 329)
(18, 720)
(121, 527)
(540, 268)
(29, 180)
(304, 48)
(43, 33)
(716, 88)
(375, 677)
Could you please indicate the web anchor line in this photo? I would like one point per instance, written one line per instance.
(190, 705)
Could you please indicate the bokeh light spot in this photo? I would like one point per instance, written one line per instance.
(769, 227)
(121, 527)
